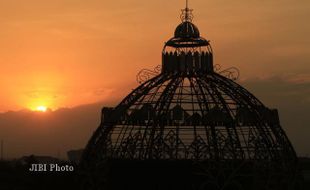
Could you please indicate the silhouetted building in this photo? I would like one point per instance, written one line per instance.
(33, 159)
(191, 126)
(75, 155)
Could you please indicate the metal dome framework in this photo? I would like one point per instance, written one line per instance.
(190, 111)
(193, 117)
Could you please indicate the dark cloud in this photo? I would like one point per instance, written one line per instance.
(27, 132)
(291, 96)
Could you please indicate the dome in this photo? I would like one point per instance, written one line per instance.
(206, 117)
(186, 30)
(190, 127)
(195, 130)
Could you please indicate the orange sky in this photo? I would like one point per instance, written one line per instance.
(64, 53)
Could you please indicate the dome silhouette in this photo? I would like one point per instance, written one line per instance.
(192, 124)
(186, 30)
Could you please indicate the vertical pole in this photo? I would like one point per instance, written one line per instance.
(186, 11)
(1, 149)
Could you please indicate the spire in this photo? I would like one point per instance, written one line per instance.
(187, 15)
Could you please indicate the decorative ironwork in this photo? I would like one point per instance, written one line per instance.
(190, 114)
(187, 15)
(146, 74)
(231, 72)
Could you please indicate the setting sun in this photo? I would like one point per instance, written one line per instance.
(41, 108)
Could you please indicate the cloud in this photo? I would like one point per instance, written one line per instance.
(290, 95)
(70, 128)
(26, 132)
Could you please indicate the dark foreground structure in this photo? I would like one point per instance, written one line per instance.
(190, 126)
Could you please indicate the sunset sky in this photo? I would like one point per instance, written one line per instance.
(64, 53)
(67, 53)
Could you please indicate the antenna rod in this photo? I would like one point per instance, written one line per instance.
(186, 11)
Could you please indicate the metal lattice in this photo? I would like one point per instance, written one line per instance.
(194, 117)
(189, 110)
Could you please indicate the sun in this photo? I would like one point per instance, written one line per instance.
(41, 108)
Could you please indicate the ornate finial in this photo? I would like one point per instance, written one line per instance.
(187, 15)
